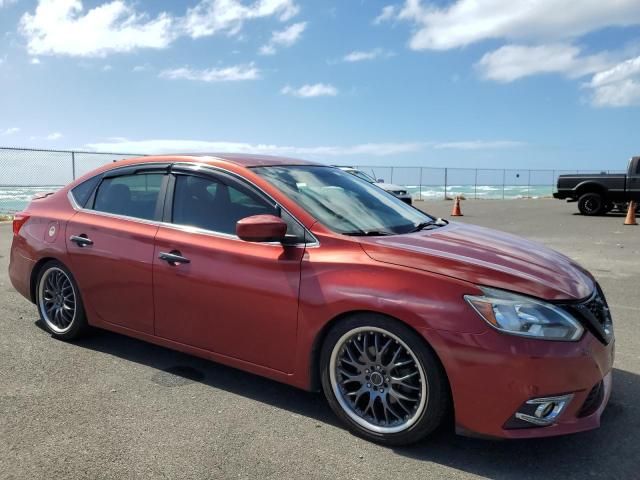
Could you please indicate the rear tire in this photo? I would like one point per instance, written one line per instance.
(382, 380)
(591, 204)
(59, 303)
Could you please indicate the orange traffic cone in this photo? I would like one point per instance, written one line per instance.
(456, 212)
(631, 214)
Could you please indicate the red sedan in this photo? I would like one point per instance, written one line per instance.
(310, 276)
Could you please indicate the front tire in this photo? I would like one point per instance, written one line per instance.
(591, 204)
(59, 303)
(383, 380)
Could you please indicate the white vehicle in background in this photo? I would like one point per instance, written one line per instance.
(397, 190)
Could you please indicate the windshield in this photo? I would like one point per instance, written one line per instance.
(343, 202)
(362, 175)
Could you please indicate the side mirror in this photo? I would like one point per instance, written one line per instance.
(261, 228)
(380, 180)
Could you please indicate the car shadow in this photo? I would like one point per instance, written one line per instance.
(176, 368)
(612, 451)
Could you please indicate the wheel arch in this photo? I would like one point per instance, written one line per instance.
(35, 271)
(318, 341)
(591, 187)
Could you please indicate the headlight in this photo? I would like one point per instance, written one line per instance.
(525, 316)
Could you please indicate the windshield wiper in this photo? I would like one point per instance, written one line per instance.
(368, 233)
(440, 222)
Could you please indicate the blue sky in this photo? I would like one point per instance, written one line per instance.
(466, 83)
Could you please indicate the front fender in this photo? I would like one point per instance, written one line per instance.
(335, 283)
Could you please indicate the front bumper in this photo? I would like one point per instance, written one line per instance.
(492, 375)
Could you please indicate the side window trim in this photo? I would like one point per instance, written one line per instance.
(231, 180)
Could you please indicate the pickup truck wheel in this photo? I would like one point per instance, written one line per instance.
(591, 204)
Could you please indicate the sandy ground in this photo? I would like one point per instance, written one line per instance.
(114, 407)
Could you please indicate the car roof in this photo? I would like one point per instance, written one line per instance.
(241, 159)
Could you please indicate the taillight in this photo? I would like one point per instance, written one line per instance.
(18, 221)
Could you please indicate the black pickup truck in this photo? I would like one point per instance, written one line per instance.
(599, 194)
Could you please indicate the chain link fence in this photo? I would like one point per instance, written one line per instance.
(428, 183)
(27, 172)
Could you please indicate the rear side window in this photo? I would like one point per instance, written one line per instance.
(130, 195)
(82, 192)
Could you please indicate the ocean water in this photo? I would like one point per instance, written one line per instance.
(14, 199)
(480, 191)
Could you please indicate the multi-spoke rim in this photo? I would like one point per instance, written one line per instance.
(378, 380)
(591, 205)
(57, 300)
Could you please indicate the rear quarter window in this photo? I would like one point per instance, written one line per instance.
(82, 192)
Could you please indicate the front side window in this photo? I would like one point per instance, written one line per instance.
(130, 195)
(343, 202)
(210, 204)
(215, 205)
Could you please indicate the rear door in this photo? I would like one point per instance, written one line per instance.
(235, 298)
(110, 241)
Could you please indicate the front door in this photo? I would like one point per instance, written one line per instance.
(110, 243)
(215, 291)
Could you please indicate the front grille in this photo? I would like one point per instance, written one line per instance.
(593, 400)
(595, 315)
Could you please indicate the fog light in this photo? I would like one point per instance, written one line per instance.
(543, 411)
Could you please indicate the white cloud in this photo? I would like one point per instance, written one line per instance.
(61, 27)
(512, 62)
(387, 13)
(618, 86)
(309, 91)
(66, 27)
(468, 21)
(233, 73)
(35, 61)
(168, 146)
(141, 68)
(366, 149)
(359, 55)
(283, 38)
(54, 136)
(478, 145)
(215, 16)
(9, 131)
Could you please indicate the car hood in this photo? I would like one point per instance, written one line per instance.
(390, 186)
(486, 257)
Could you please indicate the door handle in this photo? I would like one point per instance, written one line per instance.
(81, 240)
(173, 258)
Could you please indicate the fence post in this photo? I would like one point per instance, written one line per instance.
(391, 181)
(529, 184)
(420, 185)
(445, 183)
(475, 186)
(504, 180)
(73, 165)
